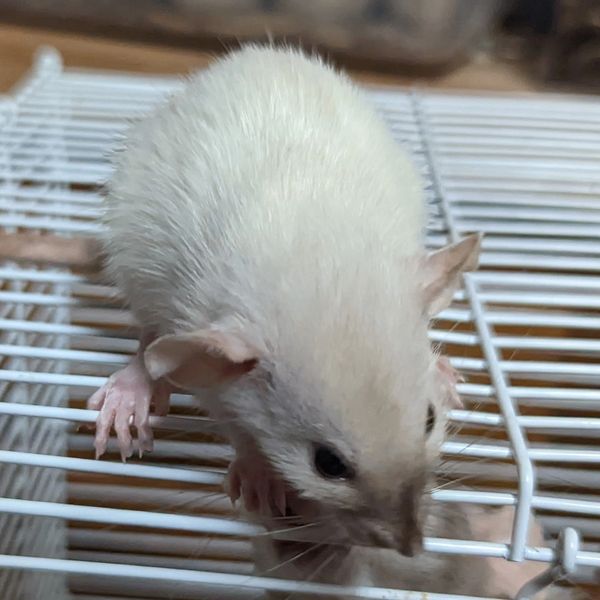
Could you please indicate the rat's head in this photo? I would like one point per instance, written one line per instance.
(349, 408)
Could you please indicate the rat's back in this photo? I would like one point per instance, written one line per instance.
(267, 168)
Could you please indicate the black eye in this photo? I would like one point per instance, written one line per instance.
(330, 465)
(430, 420)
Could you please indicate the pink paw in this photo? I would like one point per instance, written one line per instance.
(123, 400)
(254, 481)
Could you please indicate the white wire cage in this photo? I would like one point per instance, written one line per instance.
(524, 331)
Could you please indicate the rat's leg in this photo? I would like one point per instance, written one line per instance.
(129, 394)
(252, 478)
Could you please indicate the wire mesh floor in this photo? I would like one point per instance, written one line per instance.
(524, 331)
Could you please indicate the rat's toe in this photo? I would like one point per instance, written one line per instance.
(233, 483)
(104, 422)
(101, 441)
(142, 424)
(123, 432)
(96, 400)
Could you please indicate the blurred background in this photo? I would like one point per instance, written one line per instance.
(482, 44)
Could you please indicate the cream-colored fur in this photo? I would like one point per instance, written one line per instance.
(267, 205)
(264, 177)
(268, 192)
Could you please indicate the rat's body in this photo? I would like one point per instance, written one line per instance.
(264, 180)
(268, 234)
(267, 229)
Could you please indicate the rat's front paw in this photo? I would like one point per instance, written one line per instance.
(126, 397)
(262, 490)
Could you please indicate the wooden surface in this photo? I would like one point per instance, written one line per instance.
(18, 45)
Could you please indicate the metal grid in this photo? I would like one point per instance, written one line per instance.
(524, 331)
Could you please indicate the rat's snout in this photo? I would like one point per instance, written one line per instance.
(408, 530)
(407, 542)
(409, 533)
(409, 538)
(405, 534)
(402, 530)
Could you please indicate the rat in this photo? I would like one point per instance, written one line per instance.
(267, 233)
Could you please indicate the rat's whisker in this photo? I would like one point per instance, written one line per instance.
(451, 482)
(315, 572)
(300, 554)
(290, 529)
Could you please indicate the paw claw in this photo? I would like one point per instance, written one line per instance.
(100, 450)
(146, 445)
(145, 440)
(126, 453)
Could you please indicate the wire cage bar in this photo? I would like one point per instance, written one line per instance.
(524, 331)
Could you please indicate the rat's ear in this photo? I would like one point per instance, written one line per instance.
(443, 270)
(199, 359)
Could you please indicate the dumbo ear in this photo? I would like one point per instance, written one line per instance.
(443, 270)
(199, 359)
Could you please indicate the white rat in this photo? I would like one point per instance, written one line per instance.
(268, 235)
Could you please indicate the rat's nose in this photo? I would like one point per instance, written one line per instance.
(404, 536)
(408, 533)
(409, 541)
